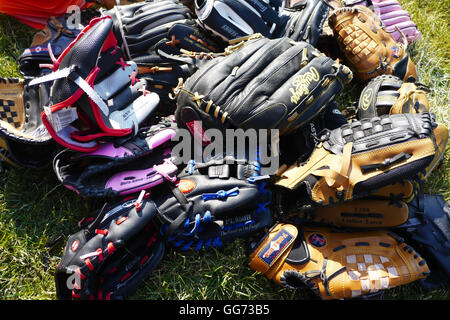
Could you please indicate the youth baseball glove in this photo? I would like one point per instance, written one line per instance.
(95, 94)
(336, 265)
(387, 208)
(387, 94)
(126, 166)
(109, 257)
(214, 203)
(396, 20)
(58, 33)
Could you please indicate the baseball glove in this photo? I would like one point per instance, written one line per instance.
(110, 257)
(123, 167)
(428, 230)
(336, 265)
(95, 94)
(306, 20)
(368, 48)
(382, 210)
(357, 159)
(232, 19)
(396, 20)
(263, 84)
(387, 94)
(24, 141)
(168, 24)
(214, 203)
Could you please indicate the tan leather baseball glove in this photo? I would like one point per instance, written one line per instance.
(368, 48)
(336, 265)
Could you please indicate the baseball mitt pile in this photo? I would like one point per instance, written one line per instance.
(342, 212)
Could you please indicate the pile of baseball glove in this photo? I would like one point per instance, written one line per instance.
(134, 108)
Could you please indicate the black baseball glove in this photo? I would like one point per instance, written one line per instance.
(110, 256)
(214, 203)
(262, 84)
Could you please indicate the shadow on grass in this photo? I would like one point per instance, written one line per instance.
(40, 207)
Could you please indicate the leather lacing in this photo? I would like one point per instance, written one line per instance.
(308, 276)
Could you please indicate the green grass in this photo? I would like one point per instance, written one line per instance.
(35, 208)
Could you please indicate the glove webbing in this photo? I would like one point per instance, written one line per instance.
(77, 79)
(338, 178)
(312, 274)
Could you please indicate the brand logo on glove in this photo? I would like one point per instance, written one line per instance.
(301, 84)
(366, 98)
(185, 185)
(275, 247)
(75, 245)
(317, 240)
(38, 49)
(396, 52)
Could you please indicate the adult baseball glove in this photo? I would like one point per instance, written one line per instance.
(336, 265)
(109, 257)
(357, 159)
(368, 48)
(214, 203)
(396, 20)
(126, 166)
(96, 94)
(263, 84)
(24, 141)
